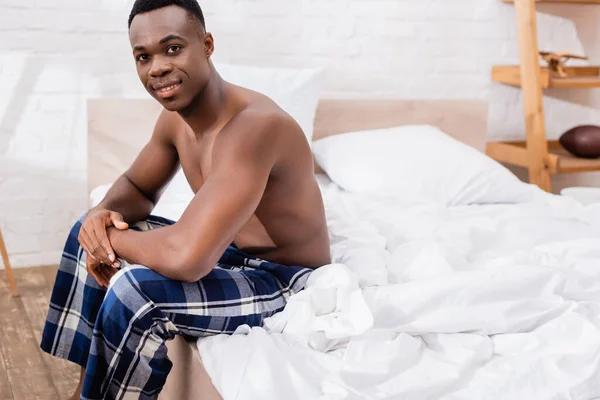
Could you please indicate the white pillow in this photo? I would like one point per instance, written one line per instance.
(296, 91)
(417, 162)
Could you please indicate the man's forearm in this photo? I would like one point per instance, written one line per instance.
(125, 198)
(158, 249)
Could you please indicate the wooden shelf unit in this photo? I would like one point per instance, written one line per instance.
(559, 161)
(540, 156)
(579, 77)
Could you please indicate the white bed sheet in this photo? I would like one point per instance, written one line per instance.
(428, 302)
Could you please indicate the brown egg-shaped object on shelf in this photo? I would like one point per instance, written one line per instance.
(582, 141)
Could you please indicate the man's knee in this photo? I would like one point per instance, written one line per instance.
(122, 301)
(120, 283)
(131, 298)
(128, 285)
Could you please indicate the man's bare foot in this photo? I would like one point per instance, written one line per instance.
(77, 394)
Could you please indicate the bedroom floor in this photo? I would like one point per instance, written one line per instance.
(26, 373)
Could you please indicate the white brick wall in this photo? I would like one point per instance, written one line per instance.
(55, 54)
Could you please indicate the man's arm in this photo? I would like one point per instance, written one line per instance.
(134, 194)
(243, 157)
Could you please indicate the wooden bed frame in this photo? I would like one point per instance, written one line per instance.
(118, 129)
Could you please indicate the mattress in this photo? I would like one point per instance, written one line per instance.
(424, 301)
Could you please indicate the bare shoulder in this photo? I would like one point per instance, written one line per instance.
(263, 121)
(167, 126)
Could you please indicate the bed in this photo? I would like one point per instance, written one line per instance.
(494, 294)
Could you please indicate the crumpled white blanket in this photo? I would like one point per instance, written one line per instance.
(427, 302)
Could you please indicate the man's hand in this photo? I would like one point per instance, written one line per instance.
(101, 272)
(94, 239)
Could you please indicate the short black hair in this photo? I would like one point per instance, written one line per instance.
(144, 6)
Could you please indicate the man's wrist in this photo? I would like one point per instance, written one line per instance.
(113, 237)
(110, 232)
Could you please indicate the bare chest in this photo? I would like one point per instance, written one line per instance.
(196, 159)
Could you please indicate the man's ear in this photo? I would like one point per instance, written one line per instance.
(209, 44)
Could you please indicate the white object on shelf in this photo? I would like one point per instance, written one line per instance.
(585, 195)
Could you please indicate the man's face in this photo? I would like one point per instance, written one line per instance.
(171, 52)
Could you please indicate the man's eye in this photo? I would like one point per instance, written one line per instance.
(142, 57)
(173, 49)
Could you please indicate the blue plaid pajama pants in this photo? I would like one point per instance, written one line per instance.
(119, 334)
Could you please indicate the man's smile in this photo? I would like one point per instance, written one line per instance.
(167, 89)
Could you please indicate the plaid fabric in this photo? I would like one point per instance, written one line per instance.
(119, 335)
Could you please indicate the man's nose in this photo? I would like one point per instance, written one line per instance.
(160, 68)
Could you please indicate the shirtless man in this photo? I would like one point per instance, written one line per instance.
(248, 240)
